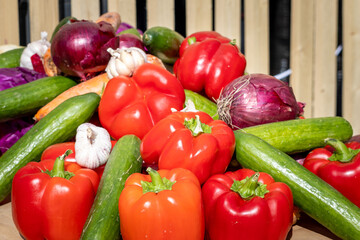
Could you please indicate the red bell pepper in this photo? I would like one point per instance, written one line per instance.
(55, 150)
(191, 140)
(207, 62)
(247, 205)
(165, 204)
(52, 203)
(132, 105)
(339, 165)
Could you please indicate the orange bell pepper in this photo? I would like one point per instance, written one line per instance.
(165, 204)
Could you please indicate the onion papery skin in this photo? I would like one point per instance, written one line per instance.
(128, 40)
(81, 47)
(256, 99)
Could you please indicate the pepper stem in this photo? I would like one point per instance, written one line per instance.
(196, 126)
(250, 187)
(342, 153)
(157, 183)
(59, 167)
(191, 40)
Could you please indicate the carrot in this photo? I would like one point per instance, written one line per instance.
(49, 66)
(154, 60)
(110, 17)
(95, 84)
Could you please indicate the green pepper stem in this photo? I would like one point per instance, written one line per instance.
(233, 42)
(59, 166)
(191, 40)
(250, 187)
(196, 126)
(342, 153)
(157, 183)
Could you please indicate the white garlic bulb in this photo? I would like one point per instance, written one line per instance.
(92, 145)
(123, 62)
(38, 47)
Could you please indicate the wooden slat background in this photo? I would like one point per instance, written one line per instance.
(313, 38)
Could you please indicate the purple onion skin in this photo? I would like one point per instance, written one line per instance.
(127, 40)
(81, 47)
(264, 99)
(12, 77)
(125, 26)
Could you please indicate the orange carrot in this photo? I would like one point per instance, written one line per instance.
(49, 66)
(154, 60)
(95, 84)
(110, 17)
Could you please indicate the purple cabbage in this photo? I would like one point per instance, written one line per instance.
(12, 131)
(12, 77)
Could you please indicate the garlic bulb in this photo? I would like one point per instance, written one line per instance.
(123, 62)
(92, 145)
(37, 47)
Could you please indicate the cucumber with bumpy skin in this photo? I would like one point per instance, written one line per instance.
(301, 135)
(163, 42)
(311, 194)
(103, 221)
(27, 99)
(58, 126)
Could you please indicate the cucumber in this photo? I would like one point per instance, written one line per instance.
(27, 99)
(65, 20)
(202, 103)
(11, 58)
(103, 221)
(163, 43)
(311, 194)
(58, 126)
(301, 135)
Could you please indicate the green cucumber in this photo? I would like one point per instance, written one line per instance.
(311, 194)
(301, 135)
(103, 221)
(11, 58)
(65, 20)
(27, 99)
(163, 43)
(202, 103)
(58, 126)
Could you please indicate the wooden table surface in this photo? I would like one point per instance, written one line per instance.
(305, 229)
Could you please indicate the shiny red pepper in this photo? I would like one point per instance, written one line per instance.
(339, 165)
(52, 203)
(247, 205)
(191, 140)
(207, 62)
(132, 105)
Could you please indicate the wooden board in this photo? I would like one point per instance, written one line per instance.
(9, 19)
(126, 9)
(305, 229)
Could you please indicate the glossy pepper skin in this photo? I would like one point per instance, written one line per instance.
(171, 143)
(132, 105)
(165, 204)
(339, 165)
(207, 62)
(52, 207)
(234, 210)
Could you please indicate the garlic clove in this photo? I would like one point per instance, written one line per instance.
(92, 145)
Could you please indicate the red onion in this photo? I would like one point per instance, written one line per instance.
(257, 99)
(81, 47)
(128, 40)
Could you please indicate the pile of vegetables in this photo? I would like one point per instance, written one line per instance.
(108, 132)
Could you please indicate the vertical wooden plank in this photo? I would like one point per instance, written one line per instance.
(126, 9)
(9, 22)
(301, 51)
(228, 19)
(351, 63)
(44, 16)
(85, 9)
(160, 13)
(257, 51)
(325, 68)
(198, 16)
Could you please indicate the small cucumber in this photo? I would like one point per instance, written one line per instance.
(311, 194)
(301, 135)
(27, 99)
(202, 103)
(65, 20)
(11, 58)
(163, 43)
(103, 221)
(58, 126)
